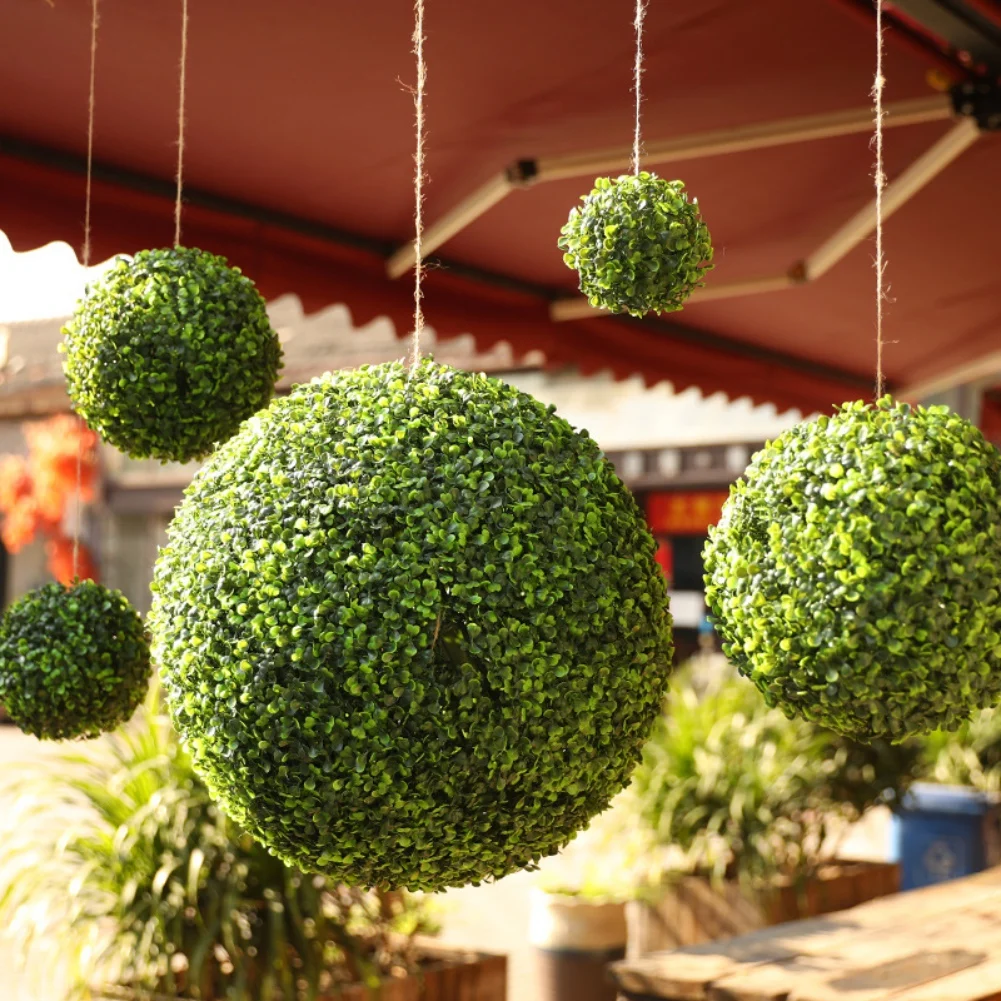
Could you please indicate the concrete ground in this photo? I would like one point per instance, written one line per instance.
(491, 918)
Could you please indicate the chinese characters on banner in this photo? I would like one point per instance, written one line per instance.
(674, 513)
(684, 512)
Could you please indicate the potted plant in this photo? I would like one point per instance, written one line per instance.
(122, 878)
(746, 808)
(577, 921)
(949, 824)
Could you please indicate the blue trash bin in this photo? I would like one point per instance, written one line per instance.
(940, 833)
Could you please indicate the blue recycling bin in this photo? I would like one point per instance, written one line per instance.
(940, 833)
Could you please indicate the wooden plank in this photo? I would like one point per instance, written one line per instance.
(906, 960)
(744, 137)
(578, 308)
(895, 195)
(688, 974)
(692, 910)
(484, 981)
(430, 979)
(866, 967)
(685, 978)
(492, 985)
(977, 983)
(399, 989)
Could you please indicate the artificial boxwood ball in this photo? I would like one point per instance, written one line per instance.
(169, 352)
(74, 661)
(855, 572)
(638, 244)
(411, 627)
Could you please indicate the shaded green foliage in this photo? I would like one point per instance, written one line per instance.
(969, 756)
(121, 869)
(638, 244)
(854, 574)
(411, 627)
(74, 661)
(168, 352)
(746, 792)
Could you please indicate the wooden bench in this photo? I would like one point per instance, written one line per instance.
(942, 943)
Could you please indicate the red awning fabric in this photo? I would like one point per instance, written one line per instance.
(299, 170)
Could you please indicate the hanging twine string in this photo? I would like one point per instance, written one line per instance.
(78, 496)
(90, 132)
(638, 81)
(182, 84)
(880, 179)
(418, 39)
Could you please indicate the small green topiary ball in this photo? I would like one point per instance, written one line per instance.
(638, 244)
(169, 352)
(74, 661)
(411, 627)
(855, 572)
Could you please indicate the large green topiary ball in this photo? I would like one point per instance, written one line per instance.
(74, 661)
(411, 627)
(169, 352)
(638, 244)
(855, 572)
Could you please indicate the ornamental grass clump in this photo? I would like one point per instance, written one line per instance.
(74, 661)
(169, 352)
(638, 244)
(411, 627)
(121, 879)
(854, 574)
(734, 789)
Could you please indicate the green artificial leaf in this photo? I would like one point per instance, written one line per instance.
(638, 244)
(853, 573)
(411, 627)
(74, 661)
(168, 352)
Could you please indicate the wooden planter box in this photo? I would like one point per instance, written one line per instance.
(693, 910)
(447, 974)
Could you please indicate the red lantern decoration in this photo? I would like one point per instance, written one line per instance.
(35, 491)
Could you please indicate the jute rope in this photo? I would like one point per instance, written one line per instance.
(182, 85)
(78, 498)
(418, 39)
(880, 180)
(638, 20)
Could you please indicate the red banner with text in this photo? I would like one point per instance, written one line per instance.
(678, 512)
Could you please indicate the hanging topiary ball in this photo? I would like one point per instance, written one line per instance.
(855, 572)
(169, 352)
(638, 244)
(74, 661)
(411, 627)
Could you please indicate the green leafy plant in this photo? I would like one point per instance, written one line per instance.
(411, 627)
(968, 756)
(744, 792)
(638, 244)
(168, 352)
(610, 861)
(120, 872)
(74, 661)
(854, 573)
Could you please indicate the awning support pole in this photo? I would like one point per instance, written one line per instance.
(739, 139)
(846, 238)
